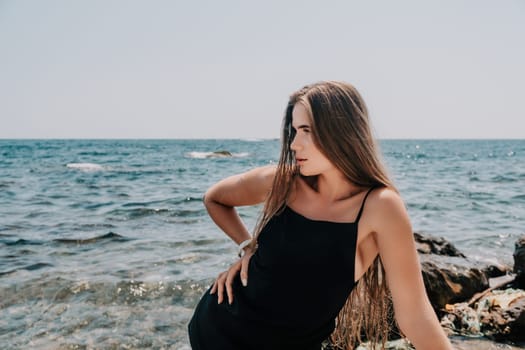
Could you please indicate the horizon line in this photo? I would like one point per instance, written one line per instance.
(250, 139)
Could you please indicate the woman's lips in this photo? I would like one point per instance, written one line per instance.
(300, 160)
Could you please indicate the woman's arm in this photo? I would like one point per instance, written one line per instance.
(248, 188)
(397, 249)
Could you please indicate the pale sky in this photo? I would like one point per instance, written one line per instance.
(225, 69)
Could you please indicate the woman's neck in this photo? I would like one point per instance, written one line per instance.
(333, 187)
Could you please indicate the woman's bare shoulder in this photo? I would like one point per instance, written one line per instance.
(386, 206)
(385, 197)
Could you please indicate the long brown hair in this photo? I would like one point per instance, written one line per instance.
(341, 130)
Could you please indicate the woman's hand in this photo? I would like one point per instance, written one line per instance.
(225, 279)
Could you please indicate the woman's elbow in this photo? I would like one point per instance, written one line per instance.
(208, 199)
(211, 199)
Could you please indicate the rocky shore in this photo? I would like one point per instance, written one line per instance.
(480, 307)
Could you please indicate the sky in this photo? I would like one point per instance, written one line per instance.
(225, 69)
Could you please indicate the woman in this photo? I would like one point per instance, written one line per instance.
(333, 243)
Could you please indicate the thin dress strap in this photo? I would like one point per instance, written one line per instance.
(363, 205)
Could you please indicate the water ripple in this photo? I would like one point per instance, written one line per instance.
(108, 237)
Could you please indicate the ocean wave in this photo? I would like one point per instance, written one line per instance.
(195, 242)
(6, 184)
(31, 267)
(36, 266)
(8, 272)
(35, 214)
(503, 179)
(21, 242)
(93, 153)
(480, 195)
(108, 237)
(164, 201)
(137, 213)
(520, 197)
(98, 205)
(5, 234)
(215, 154)
(85, 166)
(88, 226)
(253, 139)
(10, 227)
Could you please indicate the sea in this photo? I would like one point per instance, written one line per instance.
(106, 244)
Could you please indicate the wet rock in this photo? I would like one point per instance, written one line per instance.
(478, 311)
(469, 343)
(399, 344)
(502, 315)
(222, 153)
(499, 315)
(427, 244)
(461, 319)
(519, 263)
(448, 275)
(450, 280)
(493, 271)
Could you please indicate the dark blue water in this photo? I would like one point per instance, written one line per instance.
(106, 243)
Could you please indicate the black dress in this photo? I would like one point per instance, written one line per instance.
(298, 280)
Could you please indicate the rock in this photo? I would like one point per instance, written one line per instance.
(450, 277)
(427, 244)
(222, 154)
(499, 315)
(461, 319)
(492, 271)
(502, 315)
(398, 344)
(519, 263)
(450, 280)
(501, 281)
(469, 343)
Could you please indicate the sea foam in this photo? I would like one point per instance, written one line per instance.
(85, 166)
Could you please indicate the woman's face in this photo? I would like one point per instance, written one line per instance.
(308, 157)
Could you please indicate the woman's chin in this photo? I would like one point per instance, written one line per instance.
(305, 172)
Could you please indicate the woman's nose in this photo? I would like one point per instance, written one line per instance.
(294, 146)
